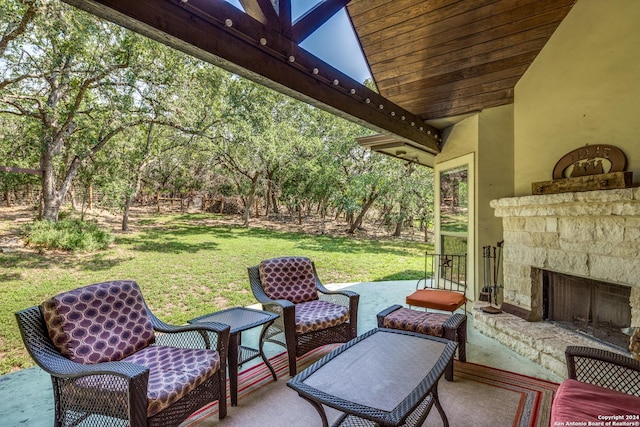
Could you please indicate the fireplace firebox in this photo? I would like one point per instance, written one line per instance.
(598, 309)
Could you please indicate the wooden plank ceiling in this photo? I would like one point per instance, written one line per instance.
(445, 58)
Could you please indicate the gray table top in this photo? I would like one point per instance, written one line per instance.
(384, 373)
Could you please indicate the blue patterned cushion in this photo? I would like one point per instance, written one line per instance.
(317, 315)
(289, 278)
(99, 323)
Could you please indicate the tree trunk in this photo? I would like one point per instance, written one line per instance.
(250, 198)
(398, 231)
(268, 197)
(129, 198)
(358, 221)
(274, 203)
(125, 215)
(52, 197)
(90, 197)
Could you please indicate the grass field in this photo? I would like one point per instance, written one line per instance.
(187, 267)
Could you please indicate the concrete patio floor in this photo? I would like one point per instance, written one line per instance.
(26, 398)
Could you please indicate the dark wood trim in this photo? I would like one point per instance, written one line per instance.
(263, 11)
(314, 18)
(21, 170)
(219, 33)
(285, 18)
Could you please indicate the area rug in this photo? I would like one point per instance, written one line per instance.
(478, 396)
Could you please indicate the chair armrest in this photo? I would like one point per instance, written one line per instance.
(59, 366)
(384, 313)
(160, 326)
(340, 296)
(603, 368)
(197, 335)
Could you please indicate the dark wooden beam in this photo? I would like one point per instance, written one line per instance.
(217, 32)
(21, 170)
(263, 11)
(285, 18)
(314, 18)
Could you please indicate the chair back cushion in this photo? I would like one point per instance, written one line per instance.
(99, 323)
(290, 278)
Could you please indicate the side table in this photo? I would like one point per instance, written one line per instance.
(241, 319)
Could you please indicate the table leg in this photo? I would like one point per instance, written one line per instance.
(232, 360)
(261, 349)
(320, 409)
(448, 372)
(439, 407)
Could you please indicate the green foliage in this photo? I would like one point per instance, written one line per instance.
(68, 235)
(108, 112)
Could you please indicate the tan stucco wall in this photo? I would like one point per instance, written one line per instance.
(583, 88)
(460, 139)
(494, 170)
(489, 137)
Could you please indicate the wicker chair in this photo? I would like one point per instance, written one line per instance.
(310, 315)
(112, 362)
(600, 383)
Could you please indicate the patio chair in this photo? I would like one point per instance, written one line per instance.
(112, 362)
(310, 315)
(599, 382)
(446, 289)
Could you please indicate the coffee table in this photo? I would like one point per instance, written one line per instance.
(385, 377)
(241, 319)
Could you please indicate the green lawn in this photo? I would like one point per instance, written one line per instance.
(187, 268)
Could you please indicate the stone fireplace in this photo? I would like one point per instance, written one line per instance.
(592, 235)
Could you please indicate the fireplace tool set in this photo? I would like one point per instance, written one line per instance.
(491, 256)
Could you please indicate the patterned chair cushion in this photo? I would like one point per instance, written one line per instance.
(99, 323)
(422, 322)
(317, 315)
(174, 372)
(289, 278)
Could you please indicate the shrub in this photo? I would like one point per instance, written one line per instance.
(67, 234)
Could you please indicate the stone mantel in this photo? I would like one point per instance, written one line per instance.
(622, 202)
(593, 234)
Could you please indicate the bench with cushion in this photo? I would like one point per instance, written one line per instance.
(449, 326)
(444, 283)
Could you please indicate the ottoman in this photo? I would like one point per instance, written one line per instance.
(449, 326)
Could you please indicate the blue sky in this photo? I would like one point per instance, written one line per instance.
(334, 42)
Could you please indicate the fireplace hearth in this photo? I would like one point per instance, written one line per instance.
(598, 309)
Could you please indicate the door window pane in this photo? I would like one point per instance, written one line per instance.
(454, 201)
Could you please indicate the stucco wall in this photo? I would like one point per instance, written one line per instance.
(583, 88)
(494, 171)
(489, 136)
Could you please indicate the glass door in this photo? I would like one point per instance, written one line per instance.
(455, 212)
